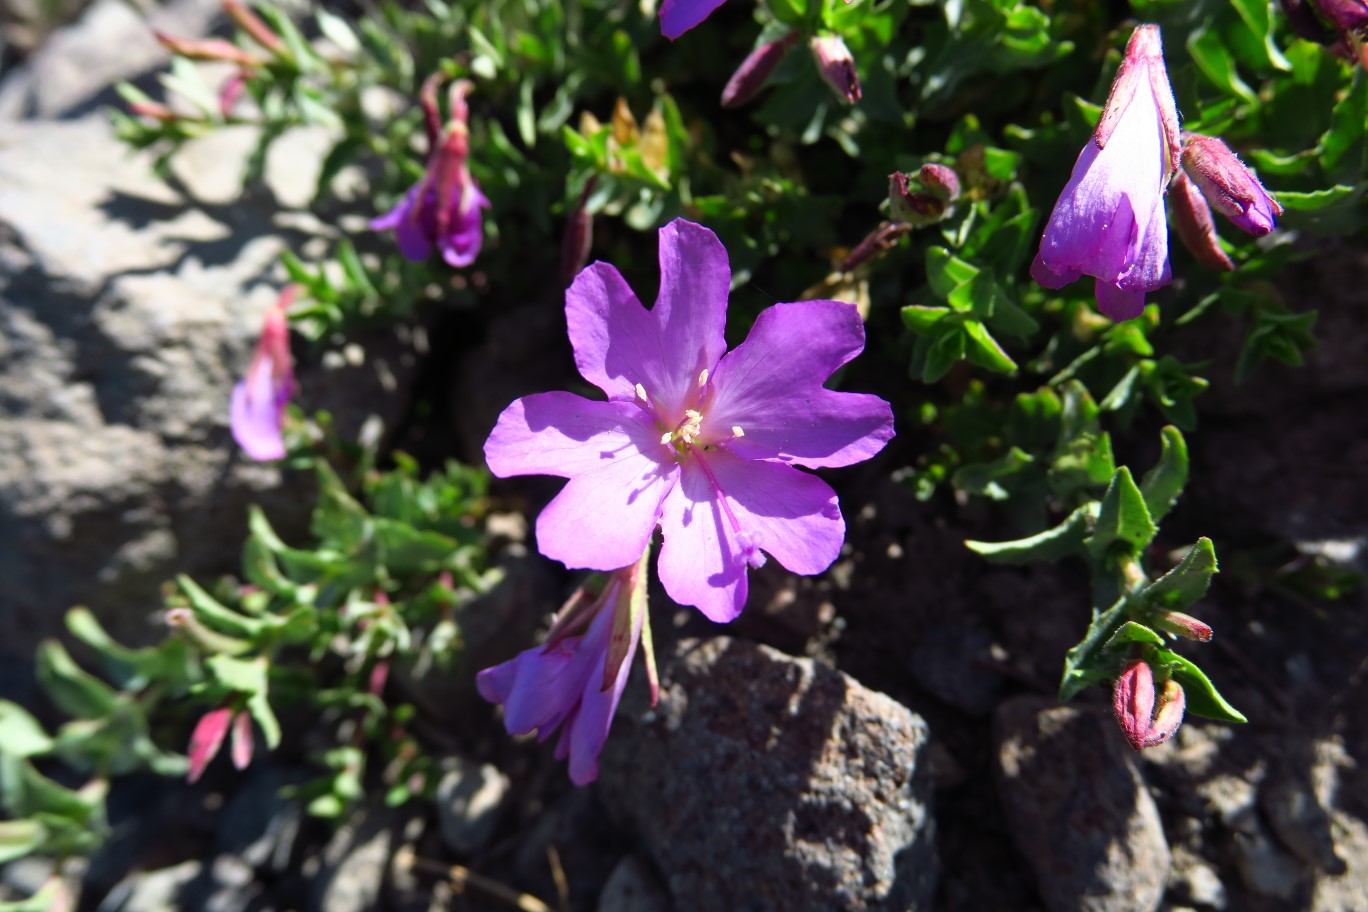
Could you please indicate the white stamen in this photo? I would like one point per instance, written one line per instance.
(692, 425)
(641, 393)
(737, 432)
(703, 378)
(665, 437)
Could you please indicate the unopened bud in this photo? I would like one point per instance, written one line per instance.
(432, 116)
(1229, 186)
(1184, 625)
(153, 110)
(207, 49)
(922, 203)
(837, 66)
(1145, 720)
(750, 76)
(1345, 15)
(1301, 18)
(207, 738)
(1195, 226)
(252, 24)
(579, 236)
(230, 93)
(875, 244)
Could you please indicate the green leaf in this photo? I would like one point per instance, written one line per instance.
(1347, 126)
(1280, 336)
(1316, 199)
(216, 614)
(1186, 583)
(923, 320)
(1083, 663)
(1131, 632)
(1216, 63)
(1123, 518)
(249, 678)
(985, 350)
(19, 838)
(1163, 484)
(1063, 540)
(76, 692)
(945, 272)
(20, 733)
(982, 478)
(1202, 697)
(945, 353)
(336, 30)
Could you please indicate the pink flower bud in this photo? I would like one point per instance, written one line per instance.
(153, 110)
(1144, 721)
(1229, 186)
(243, 745)
(1184, 625)
(207, 738)
(837, 66)
(1196, 228)
(940, 180)
(579, 235)
(231, 92)
(750, 76)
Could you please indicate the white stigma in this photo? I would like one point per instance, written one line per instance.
(737, 432)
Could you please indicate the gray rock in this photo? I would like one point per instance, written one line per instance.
(1264, 867)
(1078, 809)
(127, 313)
(1195, 882)
(633, 887)
(112, 41)
(1346, 891)
(955, 664)
(469, 798)
(258, 826)
(767, 782)
(153, 891)
(353, 869)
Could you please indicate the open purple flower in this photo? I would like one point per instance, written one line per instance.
(573, 683)
(678, 16)
(1109, 220)
(444, 208)
(257, 409)
(693, 438)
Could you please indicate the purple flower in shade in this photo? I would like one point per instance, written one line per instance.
(678, 16)
(573, 683)
(443, 208)
(1109, 220)
(257, 410)
(696, 439)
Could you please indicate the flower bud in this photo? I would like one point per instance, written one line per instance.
(154, 110)
(1345, 15)
(837, 66)
(1196, 228)
(1145, 721)
(1184, 625)
(231, 92)
(1229, 186)
(750, 76)
(579, 236)
(207, 738)
(940, 181)
(926, 203)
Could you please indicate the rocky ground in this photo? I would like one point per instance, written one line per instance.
(879, 738)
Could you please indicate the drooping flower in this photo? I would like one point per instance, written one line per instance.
(836, 66)
(443, 208)
(574, 682)
(693, 438)
(1228, 184)
(1109, 220)
(257, 410)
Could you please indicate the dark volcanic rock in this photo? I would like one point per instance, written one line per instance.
(766, 782)
(1078, 809)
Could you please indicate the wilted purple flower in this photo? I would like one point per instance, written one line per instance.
(1229, 186)
(574, 682)
(1109, 220)
(257, 410)
(694, 438)
(443, 208)
(1147, 720)
(837, 66)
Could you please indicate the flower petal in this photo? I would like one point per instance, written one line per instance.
(770, 386)
(678, 16)
(712, 526)
(589, 729)
(612, 334)
(690, 313)
(533, 688)
(567, 435)
(1118, 303)
(256, 412)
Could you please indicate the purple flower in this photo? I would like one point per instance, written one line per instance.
(836, 66)
(257, 410)
(1109, 220)
(573, 683)
(678, 16)
(443, 208)
(693, 438)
